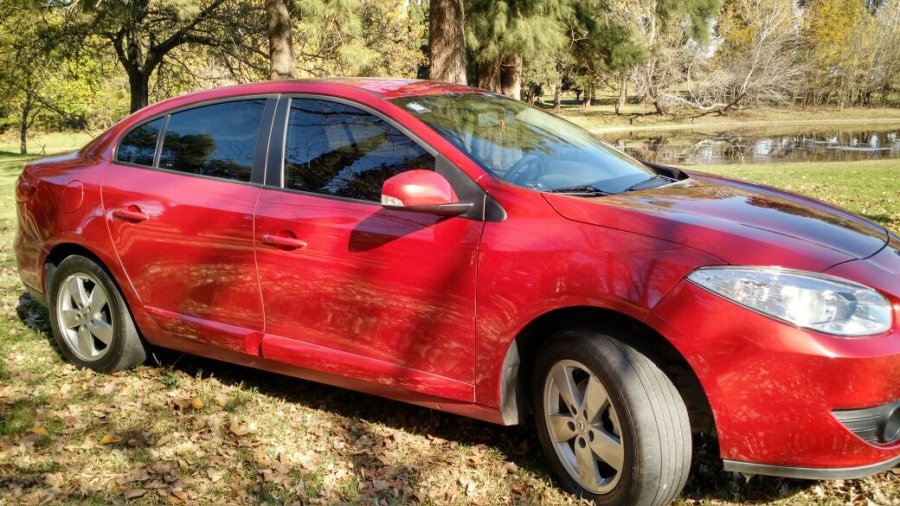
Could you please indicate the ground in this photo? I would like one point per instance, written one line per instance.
(602, 117)
(184, 429)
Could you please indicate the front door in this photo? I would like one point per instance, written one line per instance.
(181, 220)
(350, 288)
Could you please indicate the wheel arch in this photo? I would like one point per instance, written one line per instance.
(62, 250)
(520, 358)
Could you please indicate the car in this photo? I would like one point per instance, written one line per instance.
(466, 252)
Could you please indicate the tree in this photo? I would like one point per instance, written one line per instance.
(446, 40)
(604, 47)
(281, 51)
(755, 62)
(672, 32)
(504, 33)
(851, 45)
(144, 32)
(826, 32)
(394, 31)
(33, 80)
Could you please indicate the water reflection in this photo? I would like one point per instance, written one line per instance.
(759, 145)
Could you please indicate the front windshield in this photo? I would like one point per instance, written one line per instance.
(525, 146)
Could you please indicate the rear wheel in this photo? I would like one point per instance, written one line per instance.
(611, 423)
(90, 321)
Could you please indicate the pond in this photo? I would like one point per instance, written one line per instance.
(705, 146)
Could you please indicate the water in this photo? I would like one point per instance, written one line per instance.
(704, 146)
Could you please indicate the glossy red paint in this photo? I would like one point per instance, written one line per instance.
(419, 188)
(427, 308)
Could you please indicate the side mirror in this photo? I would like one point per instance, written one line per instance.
(422, 191)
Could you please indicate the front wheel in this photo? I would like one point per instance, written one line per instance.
(90, 321)
(611, 423)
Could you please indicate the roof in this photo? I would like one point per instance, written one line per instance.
(386, 88)
(393, 88)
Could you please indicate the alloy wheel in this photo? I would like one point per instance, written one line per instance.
(583, 426)
(85, 318)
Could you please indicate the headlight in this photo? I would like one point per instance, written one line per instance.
(814, 301)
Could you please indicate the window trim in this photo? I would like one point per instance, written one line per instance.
(162, 127)
(485, 207)
(257, 169)
(276, 159)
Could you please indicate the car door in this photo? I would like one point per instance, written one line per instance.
(179, 199)
(351, 288)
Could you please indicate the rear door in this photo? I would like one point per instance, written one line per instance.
(379, 295)
(179, 202)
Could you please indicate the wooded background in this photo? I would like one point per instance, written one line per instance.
(84, 64)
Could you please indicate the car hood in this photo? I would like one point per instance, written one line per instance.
(738, 222)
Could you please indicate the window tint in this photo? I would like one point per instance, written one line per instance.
(139, 145)
(340, 150)
(214, 140)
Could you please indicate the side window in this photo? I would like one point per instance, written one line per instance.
(139, 145)
(214, 140)
(336, 149)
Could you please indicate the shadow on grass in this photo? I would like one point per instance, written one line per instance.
(518, 445)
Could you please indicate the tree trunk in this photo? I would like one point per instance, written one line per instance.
(661, 110)
(511, 77)
(623, 93)
(281, 52)
(446, 40)
(488, 76)
(23, 132)
(589, 96)
(139, 87)
(557, 97)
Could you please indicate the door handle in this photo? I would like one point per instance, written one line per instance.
(282, 241)
(131, 213)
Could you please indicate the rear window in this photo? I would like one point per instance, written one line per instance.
(217, 140)
(139, 145)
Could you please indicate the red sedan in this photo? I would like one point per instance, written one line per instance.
(462, 251)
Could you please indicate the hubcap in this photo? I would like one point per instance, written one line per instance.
(85, 317)
(583, 426)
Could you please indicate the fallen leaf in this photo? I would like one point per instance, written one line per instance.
(197, 403)
(469, 485)
(135, 493)
(108, 439)
(181, 403)
(214, 474)
(40, 431)
(241, 429)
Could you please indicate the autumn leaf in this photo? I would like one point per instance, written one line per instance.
(135, 493)
(197, 403)
(181, 403)
(214, 474)
(108, 439)
(40, 431)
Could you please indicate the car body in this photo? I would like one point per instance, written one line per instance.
(448, 310)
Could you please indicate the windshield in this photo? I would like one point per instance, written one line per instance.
(525, 146)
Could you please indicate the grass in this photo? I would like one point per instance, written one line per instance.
(196, 431)
(602, 118)
(45, 143)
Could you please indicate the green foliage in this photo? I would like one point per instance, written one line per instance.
(526, 28)
(77, 64)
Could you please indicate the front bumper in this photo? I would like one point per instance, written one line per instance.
(774, 388)
(811, 473)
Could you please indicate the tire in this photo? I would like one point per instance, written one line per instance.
(628, 412)
(90, 320)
